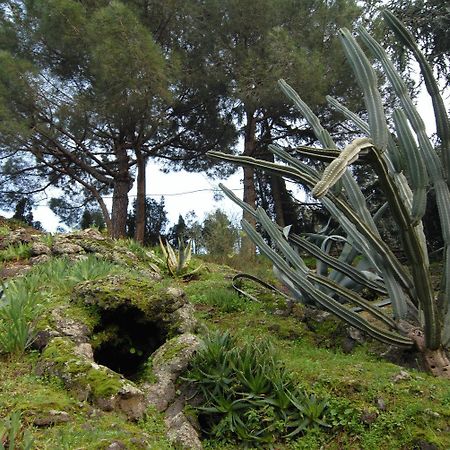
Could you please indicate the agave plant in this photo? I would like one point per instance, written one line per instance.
(177, 261)
(407, 166)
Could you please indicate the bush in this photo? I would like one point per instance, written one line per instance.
(248, 394)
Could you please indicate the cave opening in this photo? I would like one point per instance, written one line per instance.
(124, 340)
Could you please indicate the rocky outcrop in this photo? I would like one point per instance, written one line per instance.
(168, 363)
(89, 381)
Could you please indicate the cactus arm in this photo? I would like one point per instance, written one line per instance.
(336, 264)
(351, 297)
(415, 254)
(356, 198)
(338, 166)
(367, 81)
(315, 251)
(320, 154)
(363, 126)
(415, 165)
(322, 134)
(378, 245)
(302, 284)
(290, 172)
(442, 122)
(286, 157)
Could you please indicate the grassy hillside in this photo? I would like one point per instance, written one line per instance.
(371, 403)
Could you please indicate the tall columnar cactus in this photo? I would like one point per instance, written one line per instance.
(408, 166)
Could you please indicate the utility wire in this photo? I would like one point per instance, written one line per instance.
(177, 193)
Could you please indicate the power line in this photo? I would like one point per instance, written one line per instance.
(174, 194)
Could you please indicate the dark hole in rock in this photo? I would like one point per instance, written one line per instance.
(125, 340)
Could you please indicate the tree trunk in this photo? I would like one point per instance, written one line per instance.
(248, 248)
(275, 184)
(122, 185)
(141, 163)
(106, 216)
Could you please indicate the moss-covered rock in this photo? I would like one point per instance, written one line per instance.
(90, 381)
(154, 301)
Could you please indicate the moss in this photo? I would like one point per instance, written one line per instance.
(146, 374)
(103, 382)
(75, 370)
(113, 292)
(171, 349)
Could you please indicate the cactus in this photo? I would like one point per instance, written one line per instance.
(407, 166)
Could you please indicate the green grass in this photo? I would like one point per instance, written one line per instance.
(417, 409)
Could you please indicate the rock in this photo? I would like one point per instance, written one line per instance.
(168, 362)
(39, 259)
(348, 344)
(187, 323)
(84, 350)
(39, 249)
(65, 326)
(90, 381)
(424, 445)
(131, 401)
(160, 394)
(53, 417)
(356, 335)
(62, 247)
(181, 433)
(381, 405)
(368, 417)
(116, 445)
(401, 376)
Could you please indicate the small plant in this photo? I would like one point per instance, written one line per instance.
(90, 268)
(224, 299)
(249, 395)
(48, 239)
(177, 261)
(12, 436)
(15, 252)
(19, 312)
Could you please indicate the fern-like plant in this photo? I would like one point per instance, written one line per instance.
(407, 166)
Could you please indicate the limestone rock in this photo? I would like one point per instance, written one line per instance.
(53, 417)
(65, 326)
(62, 247)
(90, 381)
(182, 433)
(39, 249)
(169, 361)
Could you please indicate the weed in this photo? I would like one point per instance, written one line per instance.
(48, 239)
(12, 435)
(15, 252)
(19, 312)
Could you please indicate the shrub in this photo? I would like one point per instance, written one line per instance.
(248, 394)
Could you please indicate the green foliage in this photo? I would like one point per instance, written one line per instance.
(12, 435)
(248, 394)
(90, 268)
(177, 260)
(224, 299)
(19, 312)
(15, 252)
(220, 236)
